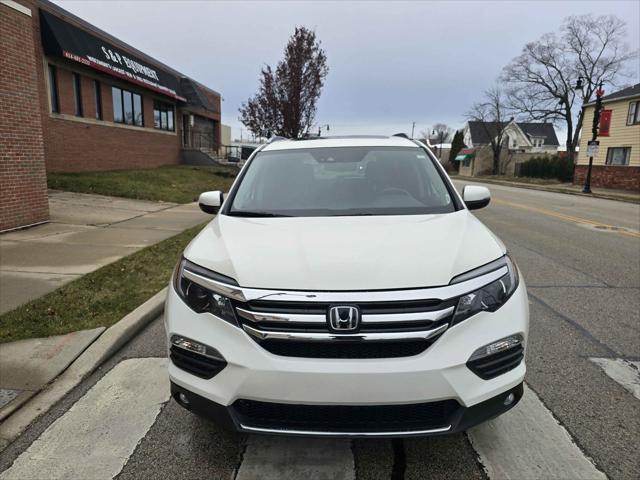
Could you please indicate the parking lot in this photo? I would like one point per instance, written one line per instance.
(579, 418)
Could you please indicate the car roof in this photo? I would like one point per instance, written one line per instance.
(354, 141)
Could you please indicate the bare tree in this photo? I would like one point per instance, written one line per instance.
(541, 80)
(492, 113)
(286, 100)
(442, 132)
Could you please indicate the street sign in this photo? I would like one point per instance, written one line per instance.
(592, 148)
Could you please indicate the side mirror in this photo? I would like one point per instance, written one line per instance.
(475, 196)
(210, 202)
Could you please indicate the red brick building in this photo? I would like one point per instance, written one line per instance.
(74, 98)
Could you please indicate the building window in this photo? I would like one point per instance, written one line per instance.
(605, 123)
(633, 116)
(77, 94)
(98, 93)
(53, 89)
(163, 116)
(127, 101)
(116, 95)
(137, 109)
(127, 107)
(618, 155)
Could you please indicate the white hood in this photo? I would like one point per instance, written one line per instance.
(344, 253)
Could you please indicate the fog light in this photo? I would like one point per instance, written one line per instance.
(497, 347)
(182, 398)
(196, 347)
(507, 401)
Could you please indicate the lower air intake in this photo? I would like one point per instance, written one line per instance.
(345, 418)
(342, 349)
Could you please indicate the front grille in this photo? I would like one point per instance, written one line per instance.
(194, 363)
(340, 349)
(411, 318)
(345, 418)
(498, 363)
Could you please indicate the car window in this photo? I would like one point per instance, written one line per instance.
(342, 181)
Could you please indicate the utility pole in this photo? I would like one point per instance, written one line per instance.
(594, 131)
(413, 127)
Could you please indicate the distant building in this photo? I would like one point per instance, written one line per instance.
(521, 141)
(441, 151)
(617, 163)
(75, 98)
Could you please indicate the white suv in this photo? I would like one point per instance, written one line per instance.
(345, 289)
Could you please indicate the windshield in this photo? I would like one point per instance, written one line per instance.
(341, 181)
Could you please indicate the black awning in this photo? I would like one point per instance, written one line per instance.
(63, 39)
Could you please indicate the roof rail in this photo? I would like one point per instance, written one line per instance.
(276, 138)
(403, 135)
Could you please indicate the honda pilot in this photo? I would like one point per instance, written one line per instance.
(344, 288)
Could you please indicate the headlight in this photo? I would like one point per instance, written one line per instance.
(490, 297)
(199, 298)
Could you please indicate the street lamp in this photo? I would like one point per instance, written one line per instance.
(440, 138)
(594, 131)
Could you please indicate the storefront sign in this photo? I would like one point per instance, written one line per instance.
(63, 39)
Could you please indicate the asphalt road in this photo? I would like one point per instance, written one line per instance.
(580, 258)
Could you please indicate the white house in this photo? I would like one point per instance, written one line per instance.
(522, 139)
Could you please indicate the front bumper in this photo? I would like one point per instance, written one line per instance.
(440, 373)
(458, 420)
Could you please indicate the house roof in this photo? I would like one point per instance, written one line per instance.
(481, 132)
(481, 135)
(536, 129)
(629, 92)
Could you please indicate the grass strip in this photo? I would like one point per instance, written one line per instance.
(175, 183)
(99, 298)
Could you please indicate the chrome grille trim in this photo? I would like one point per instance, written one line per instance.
(434, 316)
(281, 317)
(243, 294)
(316, 433)
(325, 337)
(367, 319)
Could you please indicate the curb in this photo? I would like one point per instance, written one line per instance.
(97, 353)
(544, 188)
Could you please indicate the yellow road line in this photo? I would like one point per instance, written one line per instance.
(569, 218)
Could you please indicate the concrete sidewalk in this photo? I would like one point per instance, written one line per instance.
(85, 233)
(569, 188)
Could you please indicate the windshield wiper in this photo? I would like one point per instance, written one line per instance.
(257, 214)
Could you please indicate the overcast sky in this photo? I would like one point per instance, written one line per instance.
(390, 63)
